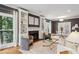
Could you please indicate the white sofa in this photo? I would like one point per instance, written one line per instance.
(71, 43)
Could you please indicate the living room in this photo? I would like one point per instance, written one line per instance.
(39, 29)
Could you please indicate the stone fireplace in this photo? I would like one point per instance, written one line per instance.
(35, 35)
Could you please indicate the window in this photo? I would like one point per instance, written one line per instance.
(34, 21)
(6, 29)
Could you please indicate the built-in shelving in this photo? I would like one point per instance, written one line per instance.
(23, 25)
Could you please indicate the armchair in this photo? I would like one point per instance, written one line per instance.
(46, 36)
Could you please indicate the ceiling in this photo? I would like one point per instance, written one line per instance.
(53, 11)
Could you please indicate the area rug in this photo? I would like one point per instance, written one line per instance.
(39, 48)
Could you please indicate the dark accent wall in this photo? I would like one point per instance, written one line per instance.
(55, 24)
(54, 27)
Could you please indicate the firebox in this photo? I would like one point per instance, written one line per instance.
(35, 35)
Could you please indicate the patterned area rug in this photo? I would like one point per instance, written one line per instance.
(39, 48)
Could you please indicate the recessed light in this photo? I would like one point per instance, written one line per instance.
(61, 19)
(68, 10)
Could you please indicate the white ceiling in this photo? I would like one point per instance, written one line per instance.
(52, 11)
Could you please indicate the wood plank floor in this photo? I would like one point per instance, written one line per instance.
(37, 47)
(12, 50)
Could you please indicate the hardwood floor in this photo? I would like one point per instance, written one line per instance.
(12, 50)
(36, 48)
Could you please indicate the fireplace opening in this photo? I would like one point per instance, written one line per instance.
(35, 35)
